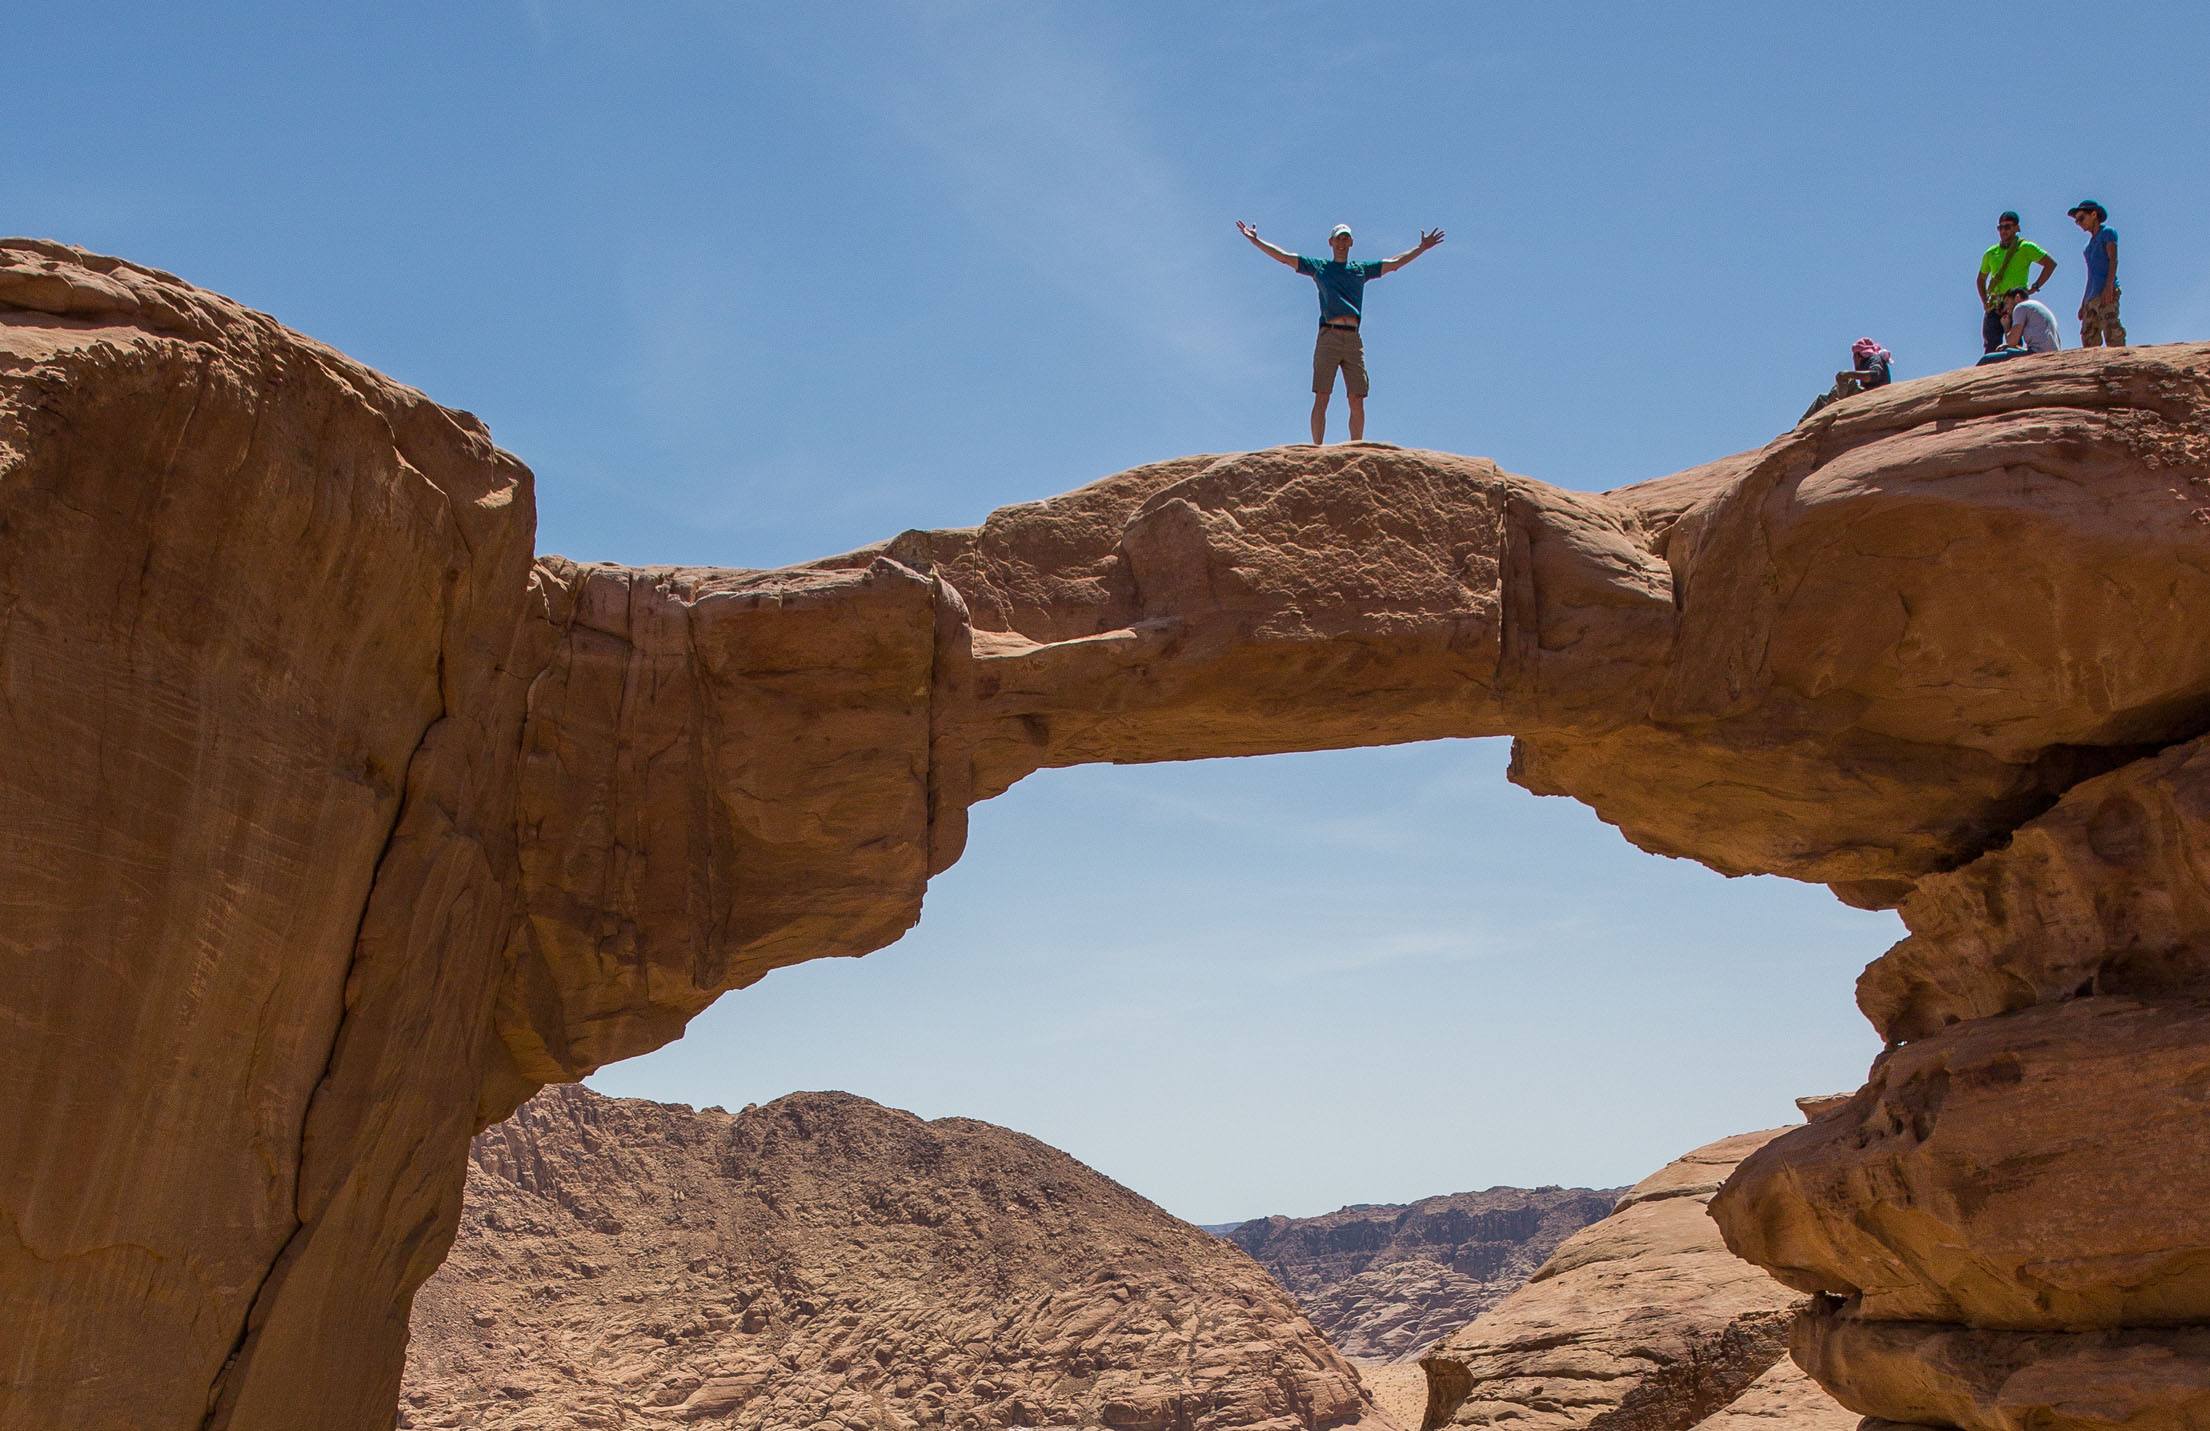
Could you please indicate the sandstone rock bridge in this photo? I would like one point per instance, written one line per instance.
(333, 822)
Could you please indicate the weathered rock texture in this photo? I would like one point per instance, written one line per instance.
(1387, 1281)
(1399, 1389)
(330, 828)
(2009, 1215)
(1641, 1322)
(1783, 1399)
(257, 606)
(1928, 1373)
(826, 1260)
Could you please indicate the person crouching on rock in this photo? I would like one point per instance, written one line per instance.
(1871, 367)
(1342, 286)
(2028, 327)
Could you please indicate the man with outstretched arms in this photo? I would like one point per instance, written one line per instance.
(1342, 286)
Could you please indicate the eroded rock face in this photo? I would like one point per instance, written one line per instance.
(823, 1259)
(1387, 1281)
(256, 849)
(1928, 1373)
(2107, 893)
(1641, 1322)
(2038, 1171)
(722, 773)
(331, 828)
(2008, 1216)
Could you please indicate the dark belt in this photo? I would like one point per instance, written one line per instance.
(1339, 327)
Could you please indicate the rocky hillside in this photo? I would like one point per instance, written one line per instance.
(824, 1259)
(1387, 1280)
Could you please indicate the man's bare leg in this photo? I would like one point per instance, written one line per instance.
(1319, 418)
(1358, 417)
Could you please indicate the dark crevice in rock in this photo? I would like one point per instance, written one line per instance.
(218, 1390)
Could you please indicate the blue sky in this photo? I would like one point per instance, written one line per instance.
(747, 284)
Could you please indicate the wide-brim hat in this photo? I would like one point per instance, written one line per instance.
(2088, 206)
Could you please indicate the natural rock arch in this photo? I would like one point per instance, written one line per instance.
(334, 824)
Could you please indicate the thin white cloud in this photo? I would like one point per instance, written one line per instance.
(1265, 819)
(539, 15)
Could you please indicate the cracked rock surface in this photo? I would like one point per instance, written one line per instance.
(255, 609)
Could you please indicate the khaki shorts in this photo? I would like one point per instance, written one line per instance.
(1339, 348)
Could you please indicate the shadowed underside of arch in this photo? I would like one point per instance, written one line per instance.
(336, 823)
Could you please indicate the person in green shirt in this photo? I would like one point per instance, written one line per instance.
(2003, 268)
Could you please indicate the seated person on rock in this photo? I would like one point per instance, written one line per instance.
(1870, 369)
(2029, 327)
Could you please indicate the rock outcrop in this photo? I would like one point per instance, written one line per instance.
(257, 613)
(826, 1260)
(1930, 1373)
(1385, 1281)
(1641, 1322)
(331, 828)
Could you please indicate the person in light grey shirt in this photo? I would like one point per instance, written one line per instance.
(2029, 327)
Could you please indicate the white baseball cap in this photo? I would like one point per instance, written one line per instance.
(1339, 231)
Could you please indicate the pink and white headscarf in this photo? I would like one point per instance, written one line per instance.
(1864, 349)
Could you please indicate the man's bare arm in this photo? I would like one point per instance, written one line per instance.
(1427, 241)
(2110, 280)
(2048, 266)
(1277, 254)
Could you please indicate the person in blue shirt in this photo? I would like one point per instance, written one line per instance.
(1342, 286)
(2099, 325)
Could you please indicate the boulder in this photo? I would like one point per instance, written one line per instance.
(2038, 1171)
(1641, 1322)
(1983, 1379)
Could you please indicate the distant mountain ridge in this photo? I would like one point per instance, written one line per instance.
(1387, 1280)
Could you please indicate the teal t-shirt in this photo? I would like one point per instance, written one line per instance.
(1342, 285)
